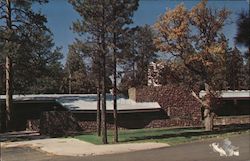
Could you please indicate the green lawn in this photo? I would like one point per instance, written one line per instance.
(171, 136)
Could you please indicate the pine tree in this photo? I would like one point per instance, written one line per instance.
(76, 73)
(48, 75)
(243, 33)
(16, 14)
(243, 38)
(94, 24)
(104, 22)
(41, 61)
(236, 77)
(121, 13)
(139, 52)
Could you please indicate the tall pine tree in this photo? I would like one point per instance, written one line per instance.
(78, 81)
(103, 22)
(235, 74)
(15, 15)
(121, 15)
(140, 50)
(94, 25)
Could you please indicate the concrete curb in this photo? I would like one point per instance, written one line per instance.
(74, 147)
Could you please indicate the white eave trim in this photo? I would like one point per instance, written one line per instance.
(231, 94)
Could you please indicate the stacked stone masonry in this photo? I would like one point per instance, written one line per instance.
(178, 108)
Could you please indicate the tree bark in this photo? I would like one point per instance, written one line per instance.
(208, 115)
(8, 69)
(115, 92)
(8, 102)
(70, 83)
(98, 114)
(103, 115)
(208, 120)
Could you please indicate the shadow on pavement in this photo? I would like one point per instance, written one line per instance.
(21, 136)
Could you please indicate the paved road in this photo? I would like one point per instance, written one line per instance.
(199, 151)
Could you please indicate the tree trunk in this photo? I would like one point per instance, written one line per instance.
(98, 114)
(208, 120)
(103, 114)
(115, 92)
(70, 83)
(103, 117)
(8, 70)
(208, 115)
(206, 103)
(8, 103)
(134, 75)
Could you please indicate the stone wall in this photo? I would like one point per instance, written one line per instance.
(33, 125)
(176, 101)
(230, 120)
(59, 123)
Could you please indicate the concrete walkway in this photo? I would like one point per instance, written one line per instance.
(74, 147)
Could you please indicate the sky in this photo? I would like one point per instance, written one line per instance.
(60, 15)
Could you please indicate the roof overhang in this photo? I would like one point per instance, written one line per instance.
(231, 94)
(87, 103)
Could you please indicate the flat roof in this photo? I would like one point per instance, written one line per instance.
(88, 102)
(241, 94)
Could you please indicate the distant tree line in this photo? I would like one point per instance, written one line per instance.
(39, 69)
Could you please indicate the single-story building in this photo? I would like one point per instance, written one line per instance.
(27, 109)
(234, 107)
(146, 107)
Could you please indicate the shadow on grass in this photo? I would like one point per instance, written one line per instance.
(187, 132)
(220, 130)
